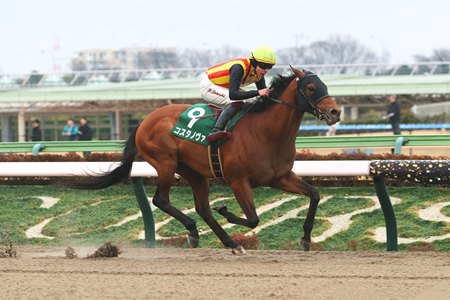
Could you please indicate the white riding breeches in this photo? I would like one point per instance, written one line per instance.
(217, 95)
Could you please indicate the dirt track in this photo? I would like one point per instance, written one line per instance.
(217, 274)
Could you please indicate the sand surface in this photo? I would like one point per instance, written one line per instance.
(45, 273)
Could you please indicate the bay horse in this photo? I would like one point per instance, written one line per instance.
(261, 152)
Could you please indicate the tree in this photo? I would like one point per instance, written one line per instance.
(292, 56)
(203, 58)
(441, 55)
(193, 58)
(157, 58)
(339, 49)
(437, 55)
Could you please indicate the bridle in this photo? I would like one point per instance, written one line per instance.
(320, 93)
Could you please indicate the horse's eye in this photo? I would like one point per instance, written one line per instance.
(310, 88)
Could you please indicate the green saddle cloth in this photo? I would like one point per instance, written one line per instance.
(196, 121)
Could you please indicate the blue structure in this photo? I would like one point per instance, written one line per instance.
(376, 127)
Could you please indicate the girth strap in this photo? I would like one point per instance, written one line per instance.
(214, 161)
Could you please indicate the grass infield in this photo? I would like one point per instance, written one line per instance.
(85, 217)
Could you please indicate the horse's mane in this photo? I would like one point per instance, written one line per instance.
(279, 83)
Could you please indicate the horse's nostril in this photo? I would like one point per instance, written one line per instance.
(335, 112)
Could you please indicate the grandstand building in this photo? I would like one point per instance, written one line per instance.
(130, 58)
(116, 100)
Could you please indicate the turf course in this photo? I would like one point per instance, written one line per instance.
(93, 217)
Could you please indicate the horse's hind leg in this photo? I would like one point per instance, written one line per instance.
(200, 189)
(161, 200)
(293, 184)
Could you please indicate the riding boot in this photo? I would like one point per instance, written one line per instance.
(218, 130)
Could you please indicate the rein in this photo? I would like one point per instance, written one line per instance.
(320, 115)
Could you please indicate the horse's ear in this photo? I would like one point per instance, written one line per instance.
(297, 72)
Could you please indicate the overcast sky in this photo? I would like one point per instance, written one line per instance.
(36, 33)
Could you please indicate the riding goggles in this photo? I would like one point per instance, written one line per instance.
(265, 66)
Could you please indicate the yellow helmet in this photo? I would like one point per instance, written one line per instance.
(264, 54)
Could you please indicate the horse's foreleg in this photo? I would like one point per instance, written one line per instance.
(293, 184)
(244, 196)
(200, 189)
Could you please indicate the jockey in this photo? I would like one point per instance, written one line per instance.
(222, 85)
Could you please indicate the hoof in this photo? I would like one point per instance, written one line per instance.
(193, 241)
(239, 250)
(306, 246)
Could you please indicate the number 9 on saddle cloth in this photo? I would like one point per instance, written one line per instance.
(196, 121)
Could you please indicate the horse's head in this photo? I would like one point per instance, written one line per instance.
(313, 97)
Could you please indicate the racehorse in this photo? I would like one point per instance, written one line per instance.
(261, 152)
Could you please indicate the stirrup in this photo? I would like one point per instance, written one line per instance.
(219, 135)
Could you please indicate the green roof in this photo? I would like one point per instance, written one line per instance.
(338, 85)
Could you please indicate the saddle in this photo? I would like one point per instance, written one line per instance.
(195, 123)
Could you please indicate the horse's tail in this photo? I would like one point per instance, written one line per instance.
(114, 176)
